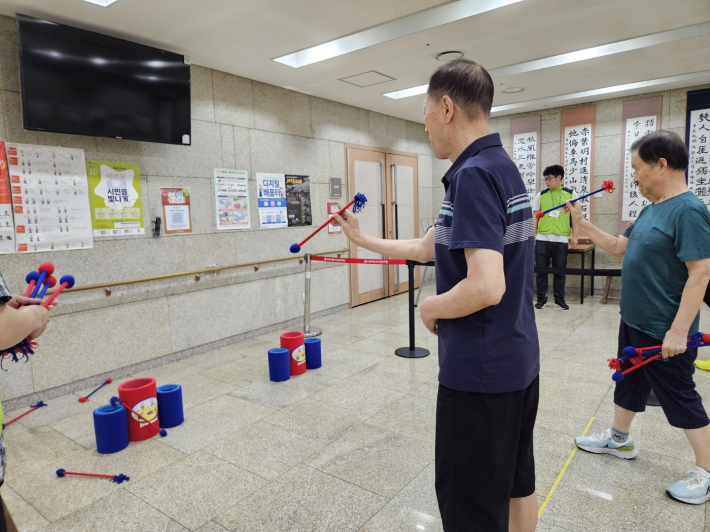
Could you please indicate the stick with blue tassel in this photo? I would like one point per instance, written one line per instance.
(39, 404)
(115, 401)
(114, 478)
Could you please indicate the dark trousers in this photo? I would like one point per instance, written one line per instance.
(546, 253)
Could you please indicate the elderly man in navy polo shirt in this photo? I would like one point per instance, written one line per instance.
(488, 345)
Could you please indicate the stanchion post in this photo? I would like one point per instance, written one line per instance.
(308, 331)
(411, 351)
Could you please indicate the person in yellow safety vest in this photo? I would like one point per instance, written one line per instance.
(554, 234)
(17, 322)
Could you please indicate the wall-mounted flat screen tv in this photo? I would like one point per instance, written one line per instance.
(84, 83)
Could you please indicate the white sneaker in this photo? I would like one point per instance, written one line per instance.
(603, 443)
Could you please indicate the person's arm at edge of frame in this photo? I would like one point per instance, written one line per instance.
(676, 339)
(418, 249)
(483, 287)
(614, 245)
(17, 323)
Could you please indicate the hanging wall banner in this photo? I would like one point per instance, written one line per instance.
(525, 142)
(271, 191)
(176, 210)
(697, 138)
(7, 224)
(50, 198)
(116, 202)
(638, 118)
(298, 200)
(232, 197)
(577, 152)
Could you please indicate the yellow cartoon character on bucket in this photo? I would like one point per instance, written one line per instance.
(148, 408)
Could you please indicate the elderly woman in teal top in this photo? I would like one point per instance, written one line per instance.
(664, 276)
(16, 324)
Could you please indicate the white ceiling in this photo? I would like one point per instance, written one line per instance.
(243, 36)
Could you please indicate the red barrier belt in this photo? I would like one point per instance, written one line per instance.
(359, 261)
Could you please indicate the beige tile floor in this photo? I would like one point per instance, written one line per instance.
(349, 447)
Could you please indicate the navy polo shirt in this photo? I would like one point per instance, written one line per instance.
(494, 350)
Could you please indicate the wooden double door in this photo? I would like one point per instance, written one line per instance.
(389, 181)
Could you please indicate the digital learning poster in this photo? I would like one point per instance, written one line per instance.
(7, 224)
(50, 198)
(232, 197)
(298, 200)
(116, 202)
(333, 207)
(271, 191)
(176, 210)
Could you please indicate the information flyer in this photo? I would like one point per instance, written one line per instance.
(176, 210)
(50, 198)
(116, 202)
(272, 200)
(7, 224)
(333, 207)
(232, 197)
(298, 200)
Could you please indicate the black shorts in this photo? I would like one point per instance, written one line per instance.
(671, 379)
(484, 456)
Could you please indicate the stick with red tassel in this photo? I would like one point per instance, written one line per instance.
(358, 203)
(115, 401)
(114, 478)
(607, 186)
(84, 399)
(39, 404)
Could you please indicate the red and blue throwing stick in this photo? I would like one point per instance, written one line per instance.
(65, 282)
(39, 404)
(640, 356)
(84, 399)
(115, 401)
(114, 478)
(607, 186)
(44, 269)
(31, 280)
(358, 203)
(49, 282)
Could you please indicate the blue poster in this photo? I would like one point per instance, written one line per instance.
(271, 192)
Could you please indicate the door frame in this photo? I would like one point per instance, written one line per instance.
(389, 276)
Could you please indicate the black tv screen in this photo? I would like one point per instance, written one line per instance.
(84, 83)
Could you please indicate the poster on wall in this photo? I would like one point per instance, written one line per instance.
(525, 149)
(176, 210)
(577, 152)
(699, 151)
(116, 201)
(333, 207)
(50, 198)
(232, 197)
(633, 201)
(7, 224)
(298, 200)
(271, 191)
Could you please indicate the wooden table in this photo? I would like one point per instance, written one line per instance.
(582, 249)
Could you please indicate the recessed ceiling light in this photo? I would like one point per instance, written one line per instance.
(102, 3)
(449, 55)
(679, 34)
(513, 90)
(394, 29)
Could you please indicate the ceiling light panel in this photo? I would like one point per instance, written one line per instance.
(102, 3)
(679, 34)
(695, 78)
(367, 79)
(395, 29)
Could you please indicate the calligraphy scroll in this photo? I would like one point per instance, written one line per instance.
(525, 142)
(697, 138)
(577, 128)
(638, 118)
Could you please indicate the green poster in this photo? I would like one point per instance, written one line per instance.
(116, 202)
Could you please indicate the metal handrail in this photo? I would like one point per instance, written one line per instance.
(191, 272)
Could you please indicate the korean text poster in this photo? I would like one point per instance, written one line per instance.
(271, 191)
(116, 202)
(176, 210)
(232, 197)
